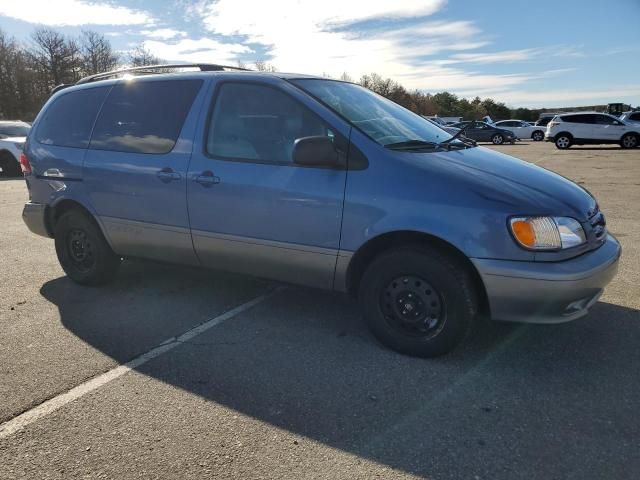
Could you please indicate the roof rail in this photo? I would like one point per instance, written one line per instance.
(152, 69)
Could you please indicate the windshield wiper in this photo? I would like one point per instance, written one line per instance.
(467, 142)
(411, 145)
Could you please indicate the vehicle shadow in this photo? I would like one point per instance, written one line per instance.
(502, 405)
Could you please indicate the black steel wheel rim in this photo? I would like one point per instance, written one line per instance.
(412, 307)
(80, 249)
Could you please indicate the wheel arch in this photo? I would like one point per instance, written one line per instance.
(389, 240)
(564, 132)
(57, 209)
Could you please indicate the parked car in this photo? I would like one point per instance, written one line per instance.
(522, 130)
(449, 130)
(545, 118)
(315, 182)
(630, 117)
(12, 137)
(591, 128)
(483, 132)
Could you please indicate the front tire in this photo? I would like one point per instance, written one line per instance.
(82, 250)
(418, 301)
(497, 139)
(537, 136)
(563, 141)
(629, 140)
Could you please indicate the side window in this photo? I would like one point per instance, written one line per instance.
(634, 117)
(144, 117)
(69, 119)
(588, 119)
(604, 120)
(259, 123)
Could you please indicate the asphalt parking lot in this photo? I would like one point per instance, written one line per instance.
(292, 385)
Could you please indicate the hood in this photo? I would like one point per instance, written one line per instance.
(520, 187)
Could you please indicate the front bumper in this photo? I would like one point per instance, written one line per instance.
(34, 217)
(548, 292)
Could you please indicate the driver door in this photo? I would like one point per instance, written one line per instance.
(251, 209)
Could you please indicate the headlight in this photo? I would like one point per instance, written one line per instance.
(547, 233)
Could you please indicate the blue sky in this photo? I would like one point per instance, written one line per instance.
(526, 53)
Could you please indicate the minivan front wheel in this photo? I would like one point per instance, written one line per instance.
(418, 301)
(497, 139)
(84, 254)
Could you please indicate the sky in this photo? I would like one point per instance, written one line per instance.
(533, 53)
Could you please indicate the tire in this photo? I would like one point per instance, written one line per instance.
(82, 250)
(563, 141)
(537, 136)
(629, 140)
(422, 281)
(497, 139)
(10, 167)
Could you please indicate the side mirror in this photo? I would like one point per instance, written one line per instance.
(315, 152)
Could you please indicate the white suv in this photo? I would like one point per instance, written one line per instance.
(12, 137)
(522, 130)
(591, 128)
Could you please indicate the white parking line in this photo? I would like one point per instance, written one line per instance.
(18, 423)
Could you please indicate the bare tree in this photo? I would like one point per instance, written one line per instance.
(140, 57)
(57, 57)
(97, 54)
(263, 66)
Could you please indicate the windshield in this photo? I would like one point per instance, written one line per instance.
(14, 130)
(382, 120)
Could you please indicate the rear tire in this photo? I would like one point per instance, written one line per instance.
(563, 141)
(629, 140)
(82, 250)
(418, 301)
(10, 167)
(497, 139)
(537, 136)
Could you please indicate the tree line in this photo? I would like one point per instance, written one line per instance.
(29, 71)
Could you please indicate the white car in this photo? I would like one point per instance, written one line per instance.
(591, 128)
(12, 138)
(522, 130)
(630, 117)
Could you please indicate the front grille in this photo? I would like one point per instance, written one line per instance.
(598, 224)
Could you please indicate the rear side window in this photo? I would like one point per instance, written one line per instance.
(634, 116)
(144, 117)
(578, 118)
(69, 119)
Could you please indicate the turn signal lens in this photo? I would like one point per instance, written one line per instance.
(523, 231)
(547, 233)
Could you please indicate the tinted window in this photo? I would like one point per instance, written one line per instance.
(144, 117)
(69, 119)
(605, 120)
(578, 118)
(260, 123)
(634, 116)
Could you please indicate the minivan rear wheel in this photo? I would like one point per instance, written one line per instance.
(82, 250)
(563, 141)
(418, 301)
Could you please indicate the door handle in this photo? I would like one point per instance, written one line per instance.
(206, 178)
(167, 174)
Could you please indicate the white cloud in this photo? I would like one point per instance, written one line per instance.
(72, 13)
(163, 33)
(494, 57)
(204, 50)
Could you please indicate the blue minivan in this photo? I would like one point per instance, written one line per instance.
(315, 182)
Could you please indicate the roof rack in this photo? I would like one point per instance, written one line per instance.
(153, 69)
